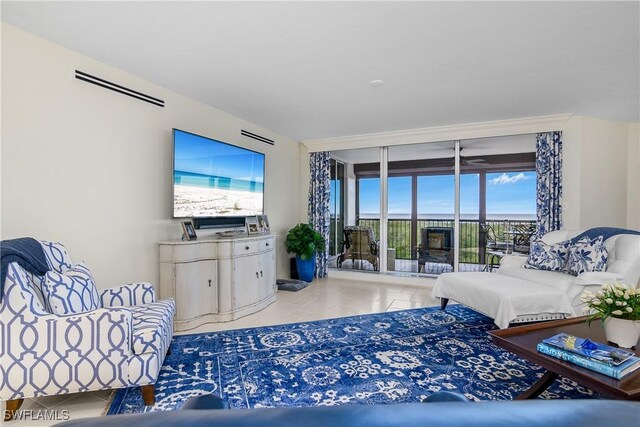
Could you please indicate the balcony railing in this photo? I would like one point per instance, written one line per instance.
(400, 235)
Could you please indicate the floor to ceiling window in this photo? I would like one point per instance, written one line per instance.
(496, 204)
(421, 208)
(435, 216)
(505, 194)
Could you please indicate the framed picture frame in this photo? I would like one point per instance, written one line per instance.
(252, 225)
(189, 232)
(263, 224)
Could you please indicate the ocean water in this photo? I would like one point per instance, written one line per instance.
(211, 181)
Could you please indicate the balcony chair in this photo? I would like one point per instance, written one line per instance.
(359, 244)
(522, 237)
(495, 248)
(494, 241)
(436, 246)
(120, 344)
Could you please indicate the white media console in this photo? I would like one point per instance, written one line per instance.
(218, 279)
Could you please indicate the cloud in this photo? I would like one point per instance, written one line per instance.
(506, 179)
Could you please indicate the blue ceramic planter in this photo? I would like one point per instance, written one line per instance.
(306, 269)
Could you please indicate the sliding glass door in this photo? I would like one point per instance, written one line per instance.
(356, 229)
(420, 204)
(498, 199)
(444, 206)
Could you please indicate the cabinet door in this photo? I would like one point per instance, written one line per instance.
(246, 280)
(196, 289)
(267, 273)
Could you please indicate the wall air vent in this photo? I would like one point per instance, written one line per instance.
(257, 137)
(117, 88)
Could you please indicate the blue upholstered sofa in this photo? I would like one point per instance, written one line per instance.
(443, 409)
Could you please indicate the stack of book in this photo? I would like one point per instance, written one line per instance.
(610, 361)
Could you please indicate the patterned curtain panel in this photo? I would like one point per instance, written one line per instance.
(549, 182)
(319, 194)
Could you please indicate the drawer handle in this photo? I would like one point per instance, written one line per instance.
(209, 282)
(260, 273)
(267, 244)
(246, 248)
(256, 275)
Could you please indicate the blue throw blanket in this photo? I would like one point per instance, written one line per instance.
(605, 232)
(27, 252)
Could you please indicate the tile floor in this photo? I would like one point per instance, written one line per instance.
(324, 299)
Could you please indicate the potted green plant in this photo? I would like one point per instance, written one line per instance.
(618, 306)
(305, 242)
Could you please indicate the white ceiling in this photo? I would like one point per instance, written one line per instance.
(445, 149)
(303, 68)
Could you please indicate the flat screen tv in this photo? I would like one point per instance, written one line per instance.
(213, 179)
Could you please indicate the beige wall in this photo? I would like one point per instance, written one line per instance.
(603, 176)
(571, 161)
(598, 173)
(633, 181)
(92, 168)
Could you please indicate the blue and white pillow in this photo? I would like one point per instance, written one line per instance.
(71, 292)
(57, 256)
(587, 255)
(543, 256)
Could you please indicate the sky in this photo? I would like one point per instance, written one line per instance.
(205, 156)
(507, 193)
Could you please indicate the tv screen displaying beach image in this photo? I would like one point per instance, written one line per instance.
(211, 178)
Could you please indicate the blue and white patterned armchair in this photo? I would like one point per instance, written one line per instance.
(123, 343)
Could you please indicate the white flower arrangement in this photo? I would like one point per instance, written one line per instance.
(613, 300)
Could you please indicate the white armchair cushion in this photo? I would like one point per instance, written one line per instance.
(624, 257)
(597, 278)
(152, 324)
(512, 261)
(553, 279)
(71, 292)
(128, 295)
(587, 255)
(549, 257)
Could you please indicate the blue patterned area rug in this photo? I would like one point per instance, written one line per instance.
(402, 356)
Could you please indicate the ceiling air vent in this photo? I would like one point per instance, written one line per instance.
(257, 137)
(117, 88)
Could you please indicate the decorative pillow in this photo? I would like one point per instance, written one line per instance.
(547, 257)
(72, 292)
(587, 255)
(57, 256)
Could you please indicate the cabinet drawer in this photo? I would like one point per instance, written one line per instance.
(194, 252)
(245, 248)
(267, 244)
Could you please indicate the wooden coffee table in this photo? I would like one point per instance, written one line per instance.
(522, 340)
